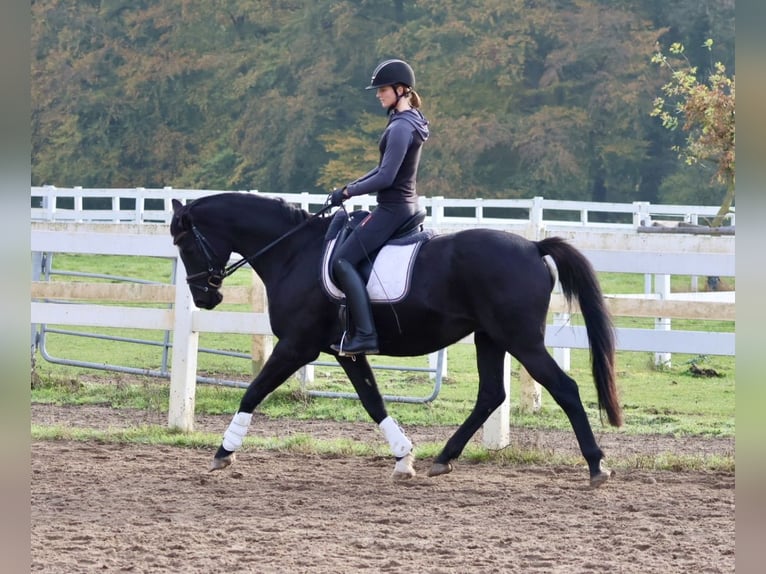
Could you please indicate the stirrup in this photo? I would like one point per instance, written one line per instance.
(342, 352)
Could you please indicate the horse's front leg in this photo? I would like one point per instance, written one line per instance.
(362, 378)
(282, 363)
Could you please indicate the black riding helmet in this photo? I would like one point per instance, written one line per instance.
(392, 72)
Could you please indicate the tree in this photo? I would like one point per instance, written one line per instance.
(707, 110)
(525, 98)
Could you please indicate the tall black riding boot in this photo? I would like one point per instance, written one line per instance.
(363, 338)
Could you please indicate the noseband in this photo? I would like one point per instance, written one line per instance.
(214, 275)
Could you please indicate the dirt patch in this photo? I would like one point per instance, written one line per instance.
(133, 508)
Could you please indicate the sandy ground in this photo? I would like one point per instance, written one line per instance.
(133, 508)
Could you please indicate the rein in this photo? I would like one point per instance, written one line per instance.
(215, 278)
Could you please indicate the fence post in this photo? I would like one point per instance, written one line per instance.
(531, 392)
(536, 221)
(437, 211)
(305, 197)
(115, 208)
(641, 214)
(433, 363)
(497, 429)
(662, 288)
(262, 345)
(140, 199)
(183, 373)
(78, 204)
(49, 203)
(38, 261)
(562, 355)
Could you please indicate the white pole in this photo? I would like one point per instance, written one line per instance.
(562, 355)
(662, 288)
(183, 370)
(262, 345)
(433, 363)
(497, 429)
(531, 392)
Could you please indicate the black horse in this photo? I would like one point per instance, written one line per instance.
(491, 283)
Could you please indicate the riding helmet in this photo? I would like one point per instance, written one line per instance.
(391, 72)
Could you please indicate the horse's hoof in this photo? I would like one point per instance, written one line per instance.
(404, 469)
(221, 463)
(603, 475)
(438, 468)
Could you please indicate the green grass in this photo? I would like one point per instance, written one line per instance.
(146, 268)
(305, 444)
(157, 435)
(665, 401)
(614, 283)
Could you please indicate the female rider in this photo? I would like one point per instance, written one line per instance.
(394, 182)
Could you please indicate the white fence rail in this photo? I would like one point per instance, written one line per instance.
(76, 204)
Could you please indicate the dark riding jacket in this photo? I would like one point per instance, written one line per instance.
(394, 178)
(394, 182)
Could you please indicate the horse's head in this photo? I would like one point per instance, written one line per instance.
(205, 268)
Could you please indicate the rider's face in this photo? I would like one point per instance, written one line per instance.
(387, 96)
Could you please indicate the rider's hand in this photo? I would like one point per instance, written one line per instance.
(337, 197)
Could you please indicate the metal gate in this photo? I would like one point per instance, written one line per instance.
(42, 269)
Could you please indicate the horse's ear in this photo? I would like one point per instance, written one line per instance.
(180, 219)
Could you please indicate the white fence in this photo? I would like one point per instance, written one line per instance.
(608, 248)
(153, 205)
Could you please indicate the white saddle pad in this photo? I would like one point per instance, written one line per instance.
(390, 277)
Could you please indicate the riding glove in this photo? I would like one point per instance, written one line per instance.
(337, 197)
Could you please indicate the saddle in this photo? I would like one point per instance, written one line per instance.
(388, 269)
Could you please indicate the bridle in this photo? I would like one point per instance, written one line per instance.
(216, 273)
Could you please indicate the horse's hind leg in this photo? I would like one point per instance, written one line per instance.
(543, 368)
(489, 358)
(363, 379)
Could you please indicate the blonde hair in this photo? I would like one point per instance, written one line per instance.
(415, 99)
(410, 94)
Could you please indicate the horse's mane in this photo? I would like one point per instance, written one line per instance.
(276, 205)
(297, 214)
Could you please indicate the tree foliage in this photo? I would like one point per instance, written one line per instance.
(707, 114)
(525, 97)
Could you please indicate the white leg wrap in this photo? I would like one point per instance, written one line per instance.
(235, 434)
(400, 444)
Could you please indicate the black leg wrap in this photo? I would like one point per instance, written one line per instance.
(222, 452)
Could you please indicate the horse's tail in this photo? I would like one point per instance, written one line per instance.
(578, 280)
